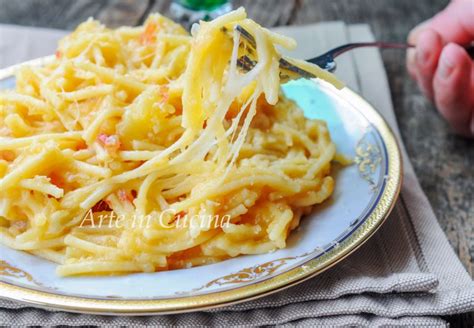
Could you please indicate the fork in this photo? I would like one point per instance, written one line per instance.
(326, 60)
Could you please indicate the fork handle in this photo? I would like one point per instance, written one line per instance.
(384, 45)
(379, 44)
(326, 60)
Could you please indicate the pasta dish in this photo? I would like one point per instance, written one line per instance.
(146, 148)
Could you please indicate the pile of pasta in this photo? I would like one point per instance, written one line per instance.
(152, 122)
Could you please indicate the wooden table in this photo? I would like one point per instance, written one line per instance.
(443, 162)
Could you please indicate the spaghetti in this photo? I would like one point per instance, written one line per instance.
(153, 124)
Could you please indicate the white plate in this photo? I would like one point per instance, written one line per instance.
(364, 195)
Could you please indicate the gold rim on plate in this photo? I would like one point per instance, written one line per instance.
(271, 285)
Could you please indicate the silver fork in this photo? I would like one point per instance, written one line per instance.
(325, 61)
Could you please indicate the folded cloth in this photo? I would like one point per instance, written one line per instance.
(405, 275)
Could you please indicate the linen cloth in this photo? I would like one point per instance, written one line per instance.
(405, 275)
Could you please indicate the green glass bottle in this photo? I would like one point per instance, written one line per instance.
(188, 12)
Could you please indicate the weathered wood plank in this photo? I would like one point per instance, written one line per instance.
(160, 6)
(68, 14)
(268, 13)
(124, 12)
